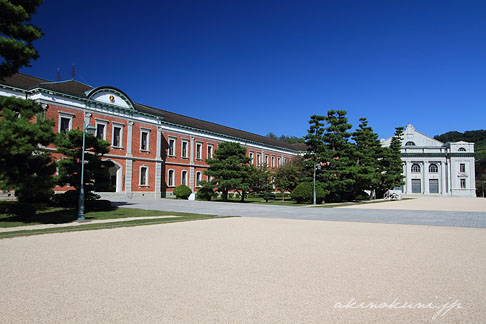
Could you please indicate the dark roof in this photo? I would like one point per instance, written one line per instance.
(78, 89)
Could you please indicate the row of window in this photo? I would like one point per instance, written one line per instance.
(185, 149)
(410, 143)
(266, 163)
(433, 185)
(433, 168)
(184, 178)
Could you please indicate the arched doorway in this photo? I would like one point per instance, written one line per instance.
(116, 174)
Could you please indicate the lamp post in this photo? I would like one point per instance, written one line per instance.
(90, 129)
(317, 166)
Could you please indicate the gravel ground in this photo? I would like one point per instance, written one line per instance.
(246, 270)
(430, 203)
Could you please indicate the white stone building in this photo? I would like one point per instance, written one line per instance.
(433, 168)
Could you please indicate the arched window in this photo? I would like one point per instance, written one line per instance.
(171, 178)
(198, 179)
(462, 149)
(415, 168)
(184, 178)
(433, 168)
(410, 143)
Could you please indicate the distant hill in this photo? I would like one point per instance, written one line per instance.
(478, 137)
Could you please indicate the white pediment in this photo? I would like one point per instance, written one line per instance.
(412, 138)
(110, 96)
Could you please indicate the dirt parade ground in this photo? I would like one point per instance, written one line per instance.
(247, 270)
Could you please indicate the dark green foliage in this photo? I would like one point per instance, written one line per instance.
(17, 35)
(391, 164)
(25, 166)
(182, 192)
(229, 168)
(304, 192)
(96, 174)
(328, 142)
(478, 137)
(288, 176)
(69, 199)
(205, 193)
(367, 155)
(287, 139)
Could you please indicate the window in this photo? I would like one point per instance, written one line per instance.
(171, 178)
(198, 179)
(143, 176)
(266, 160)
(278, 161)
(462, 149)
(259, 159)
(251, 158)
(462, 167)
(210, 151)
(65, 123)
(410, 143)
(415, 168)
(434, 186)
(101, 130)
(416, 186)
(184, 149)
(172, 146)
(144, 140)
(198, 151)
(117, 136)
(273, 161)
(286, 161)
(463, 183)
(184, 178)
(433, 168)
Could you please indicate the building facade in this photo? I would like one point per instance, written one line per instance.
(153, 150)
(433, 168)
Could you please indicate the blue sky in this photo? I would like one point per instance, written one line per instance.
(266, 66)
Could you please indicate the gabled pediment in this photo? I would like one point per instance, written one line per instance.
(110, 95)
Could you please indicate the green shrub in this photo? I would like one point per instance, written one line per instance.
(182, 192)
(98, 205)
(304, 192)
(70, 199)
(205, 193)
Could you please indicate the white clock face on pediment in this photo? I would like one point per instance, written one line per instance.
(110, 96)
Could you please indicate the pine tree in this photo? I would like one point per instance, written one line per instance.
(25, 165)
(17, 35)
(96, 174)
(328, 142)
(229, 168)
(287, 177)
(391, 164)
(367, 155)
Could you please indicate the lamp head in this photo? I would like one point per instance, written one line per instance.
(90, 129)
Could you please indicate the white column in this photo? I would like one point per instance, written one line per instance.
(443, 178)
(129, 167)
(409, 179)
(425, 174)
(158, 163)
(405, 174)
(191, 169)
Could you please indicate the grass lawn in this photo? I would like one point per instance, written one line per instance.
(53, 215)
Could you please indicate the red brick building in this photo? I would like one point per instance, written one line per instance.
(153, 150)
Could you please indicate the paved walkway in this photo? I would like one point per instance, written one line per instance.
(416, 217)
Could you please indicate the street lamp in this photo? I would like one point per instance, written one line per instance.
(90, 129)
(317, 166)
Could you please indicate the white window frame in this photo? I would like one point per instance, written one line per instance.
(182, 177)
(266, 160)
(105, 128)
(171, 179)
(259, 159)
(146, 131)
(198, 179)
(199, 147)
(210, 151)
(279, 161)
(273, 161)
(462, 167)
(66, 115)
(433, 165)
(117, 125)
(173, 146)
(415, 165)
(186, 156)
(463, 183)
(143, 166)
(251, 158)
